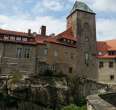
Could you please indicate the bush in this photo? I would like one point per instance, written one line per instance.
(81, 101)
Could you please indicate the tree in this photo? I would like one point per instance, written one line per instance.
(13, 79)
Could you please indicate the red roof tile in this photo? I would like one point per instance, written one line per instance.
(2, 31)
(106, 45)
(54, 40)
(111, 44)
(15, 33)
(68, 34)
(102, 46)
(106, 56)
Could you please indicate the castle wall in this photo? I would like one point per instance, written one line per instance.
(62, 57)
(10, 61)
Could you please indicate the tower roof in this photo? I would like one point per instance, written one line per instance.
(81, 6)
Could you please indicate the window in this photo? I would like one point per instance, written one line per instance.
(45, 51)
(26, 53)
(111, 64)
(99, 53)
(112, 52)
(86, 59)
(24, 39)
(18, 38)
(6, 38)
(19, 53)
(112, 77)
(12, 38)
(64, 40)
(70, 69)
(101, 64)
(72, 56)
(68, 41)
(55, 53)
(72, 42)
(86, 39)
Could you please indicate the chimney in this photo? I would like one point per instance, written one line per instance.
(43, 30)
(29, 32)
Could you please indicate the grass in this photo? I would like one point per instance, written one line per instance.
(74, 107)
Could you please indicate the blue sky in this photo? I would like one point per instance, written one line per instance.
(20, 15)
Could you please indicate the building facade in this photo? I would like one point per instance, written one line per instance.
(70, 52)
(107, 61)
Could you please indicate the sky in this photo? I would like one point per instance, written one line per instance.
(21, 15)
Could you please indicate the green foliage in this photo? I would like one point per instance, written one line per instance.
(16, 76)
(81, 101)
(74, 107)
(9, 101)
(48, 72)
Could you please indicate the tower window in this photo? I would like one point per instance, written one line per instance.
(112, 77)
(70, 69)
(86, 59)
(86, 39)
(72, 56)
(111, 64)
(101, 64)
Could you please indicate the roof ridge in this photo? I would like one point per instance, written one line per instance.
(12, 31)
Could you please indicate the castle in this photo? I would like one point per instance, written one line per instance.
(72, 52)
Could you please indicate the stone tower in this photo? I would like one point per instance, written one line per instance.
(82, 21)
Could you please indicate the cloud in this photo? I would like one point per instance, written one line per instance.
(49, 5)
(19, 24)
(106, 29)
(54, 5)
(23, 14)
(104, 5)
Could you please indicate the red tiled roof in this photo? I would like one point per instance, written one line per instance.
(106, 56)
(2, 31)
(106, 45)
(15, 33)
(55, 41)
(111, 44)
(40, 40)
(102, 46)
(68, 34)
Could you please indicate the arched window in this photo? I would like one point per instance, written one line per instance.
(86, 32)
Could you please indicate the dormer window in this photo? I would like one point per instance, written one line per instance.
(6, 38)
(18, 38)
(68, 41)
(12, 38)
(99, 53)
(24, 39)
(64, 40)
(112, 52)
(72, 42)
